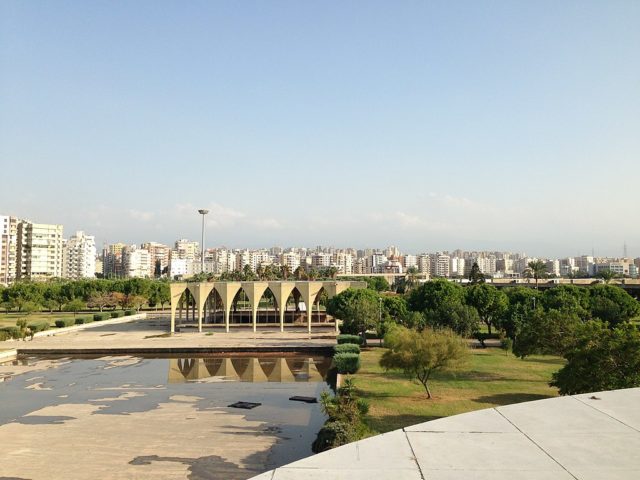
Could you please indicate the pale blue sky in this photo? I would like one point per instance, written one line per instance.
(430, 125)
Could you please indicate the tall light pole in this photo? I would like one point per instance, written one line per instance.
(202, 212)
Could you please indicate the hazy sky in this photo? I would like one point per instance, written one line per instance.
(429, 125)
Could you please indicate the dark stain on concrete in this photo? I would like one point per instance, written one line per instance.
(211, 467)
(42, 420)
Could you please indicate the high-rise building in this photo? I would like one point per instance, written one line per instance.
(160, 255)
(112, 260)
(79, 256)
(39, 251)
(8, 249)
(136, 262)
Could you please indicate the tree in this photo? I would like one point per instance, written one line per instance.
(160, 294)
(475, 275)
(358, 308)
(521, 301)
(411, 280)
(546, 333)
(462, 319)
(138, 301)
(606, 275)
(100, 300)
(490, 303)
(74, 306)
(420, 354)
(536, 269)
(567, 298)
(601, 359)
(432, 295)
(612, 304)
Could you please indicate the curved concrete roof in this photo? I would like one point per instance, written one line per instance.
(590, 436)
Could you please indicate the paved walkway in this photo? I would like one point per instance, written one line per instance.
(586, 437)
(150, 335)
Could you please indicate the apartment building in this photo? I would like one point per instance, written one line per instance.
(8, 249)
(112, 260)
(136, 262)
(39, 251)
(160, 255)
(79, 256)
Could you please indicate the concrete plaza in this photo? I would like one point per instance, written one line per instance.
(585, 437)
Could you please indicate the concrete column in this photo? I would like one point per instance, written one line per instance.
(254, 291)
(176, 290)
(281, 292)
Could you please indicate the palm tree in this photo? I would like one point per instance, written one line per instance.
(286, 271)
(536, 269)
(412, 278)
(606, 275)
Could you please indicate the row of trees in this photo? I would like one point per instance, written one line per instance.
(26, 297)
(587, 325)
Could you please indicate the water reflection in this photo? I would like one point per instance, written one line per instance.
(249, 369)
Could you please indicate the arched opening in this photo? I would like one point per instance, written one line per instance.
(213, 313)
(187, 314)
(294, 308)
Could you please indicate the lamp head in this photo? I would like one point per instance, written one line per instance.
(203, 211)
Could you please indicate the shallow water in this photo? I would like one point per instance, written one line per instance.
(156, 417)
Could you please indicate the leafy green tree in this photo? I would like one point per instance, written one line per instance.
(420, 354)
(357, 308)
(475, 275)
(550, 332)
(74, 306)
(411, 279)
(490, 303)
(612, 304)
(455, 315)
(433, 294)
(601, 359)
(567, 298)
(521, 301)
(606, 275)
(395, 306)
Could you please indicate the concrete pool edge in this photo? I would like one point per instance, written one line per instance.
(585, 436)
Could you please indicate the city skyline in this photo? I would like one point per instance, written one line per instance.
(427, 125)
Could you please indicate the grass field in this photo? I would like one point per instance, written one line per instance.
(8, 320)
(491, 378)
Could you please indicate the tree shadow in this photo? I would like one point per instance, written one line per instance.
(394, 422)
(509, 398)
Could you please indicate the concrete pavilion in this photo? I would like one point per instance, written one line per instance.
(204, 301)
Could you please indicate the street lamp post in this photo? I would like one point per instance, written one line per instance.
(202, 212)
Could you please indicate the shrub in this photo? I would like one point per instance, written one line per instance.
(83, 320)
(130, 312)
(101, 316)
(347, 362)
(345, 338)
(117, 314)
(36, 327)
(4, 336)
(13, 332)
(65, 322)
(346, 348)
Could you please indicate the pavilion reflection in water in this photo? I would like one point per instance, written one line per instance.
(269, 369)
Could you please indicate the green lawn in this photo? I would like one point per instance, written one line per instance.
(490, 379)
(7, 320)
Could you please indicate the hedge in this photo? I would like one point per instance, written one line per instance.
(117, 314)
(4, 336)
(101, 316)
(130, 312)
(346, 348)
(36, 327)
(345, 338)
(83, 320)
(65, 322)
(13, 332)
(347, 362)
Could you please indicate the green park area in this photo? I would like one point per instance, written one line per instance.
(491, 378)
(10, 319)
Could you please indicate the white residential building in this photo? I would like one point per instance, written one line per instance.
(136, 262)
(79, 256)
(8, 249)
(457, 266)
(39, 251)
(291, 260)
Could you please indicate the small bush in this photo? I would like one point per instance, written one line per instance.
(65, 322)
(130, 312)
(117, 314)
(4, 336)
(101, 316)
(83, 320)
(36, 327)
(346, 348)
(13, 332)
(345, 338)
(347, 362)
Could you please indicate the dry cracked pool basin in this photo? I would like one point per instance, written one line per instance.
(162, 418)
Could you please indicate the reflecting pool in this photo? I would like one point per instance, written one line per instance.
(160, 418)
